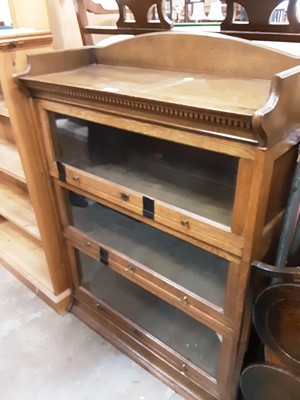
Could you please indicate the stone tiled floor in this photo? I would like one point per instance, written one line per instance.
(46, 356)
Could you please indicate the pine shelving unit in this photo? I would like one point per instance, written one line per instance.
(3, 109)
(10, 162)
(29, 247)
(16, 207)
(24, 254)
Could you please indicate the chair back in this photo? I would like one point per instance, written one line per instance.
(86, 7)
(135, 17)
(275, 20)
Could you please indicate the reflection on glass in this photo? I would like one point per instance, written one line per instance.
(171, 326)
(191, 179)
(194, 269)
(178, 6)
(279, 14)
(240, 14)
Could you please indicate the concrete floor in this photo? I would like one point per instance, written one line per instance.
(46, 356)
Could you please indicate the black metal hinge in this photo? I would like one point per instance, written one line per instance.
(104, 256)
(148, 207)
(61, 171)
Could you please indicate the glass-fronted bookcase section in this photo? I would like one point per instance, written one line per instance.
(184, 275)
(173, 295)
(186, 188)
(193, 341)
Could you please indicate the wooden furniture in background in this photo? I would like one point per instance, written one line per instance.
(30, 239)
(84, 7)
(258, 26)
(139, 23)
(172, 175)
(54, 15)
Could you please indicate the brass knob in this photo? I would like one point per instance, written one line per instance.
(130, 268)
(185, 299)
(183, 369)
(88, 244)
(75, 178)
(98, 305)
(185, 222)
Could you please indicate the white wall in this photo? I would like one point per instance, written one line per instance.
(29, 14)
(5, 12)
(63, 24)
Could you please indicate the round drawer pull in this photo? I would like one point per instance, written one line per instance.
(75, 178)
(98, 305)
(124, 196)
(185, 299)
(183, 369)
(88, 244)
(185, 222)
(130, 268)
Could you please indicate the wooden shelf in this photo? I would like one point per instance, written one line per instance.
(15, 206)
(24, 256)
(10, 162)
(3, 109)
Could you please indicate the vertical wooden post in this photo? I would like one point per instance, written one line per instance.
(26, 131)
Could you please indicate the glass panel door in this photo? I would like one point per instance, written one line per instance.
(194, 180)
(189, 266)
(171, 326)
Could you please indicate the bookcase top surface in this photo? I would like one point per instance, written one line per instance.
(228, 94)
(211, 72)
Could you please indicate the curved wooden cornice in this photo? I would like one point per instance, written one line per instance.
(279, 118)
(211, 122)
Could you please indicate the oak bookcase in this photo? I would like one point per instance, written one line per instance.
(171, 174)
